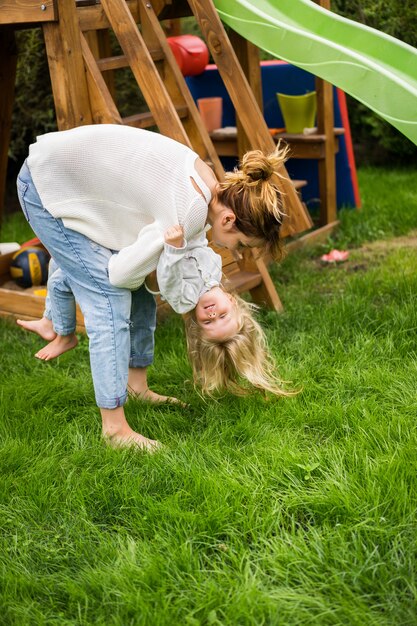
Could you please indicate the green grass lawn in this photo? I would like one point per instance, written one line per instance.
(280, 512)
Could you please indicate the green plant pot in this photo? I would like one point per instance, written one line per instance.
(299, 112)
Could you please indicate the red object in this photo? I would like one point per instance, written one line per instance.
(32, 242)
(190, 52)
(341, 97)
(335, 256)
(276, 131)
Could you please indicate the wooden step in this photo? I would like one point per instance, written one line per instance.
(311, 146)
(298, 184)
(120, 61)
(146, 120)
(241, 281)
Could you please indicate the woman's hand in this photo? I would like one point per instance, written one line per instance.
(174, 236)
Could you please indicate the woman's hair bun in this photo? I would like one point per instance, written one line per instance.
(257, 166)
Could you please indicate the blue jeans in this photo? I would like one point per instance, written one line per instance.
(60, 301)
(120, 324)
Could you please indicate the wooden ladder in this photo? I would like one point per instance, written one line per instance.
(82, 96)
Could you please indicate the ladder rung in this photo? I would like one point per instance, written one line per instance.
(112, 63)
(120, 61)
(298, 184)
(145, 120)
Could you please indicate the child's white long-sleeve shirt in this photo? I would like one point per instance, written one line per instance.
(122, 187)
(184, 274)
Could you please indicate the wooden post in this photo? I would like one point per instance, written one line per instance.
(66, 67)
(8, 62)
(326, 165)
(248, 56)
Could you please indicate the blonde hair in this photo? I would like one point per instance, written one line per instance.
(255, 197)
(239, 364)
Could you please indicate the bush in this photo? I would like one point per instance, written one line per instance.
(33, 112)
(377, 141)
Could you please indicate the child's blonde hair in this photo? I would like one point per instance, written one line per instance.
(235, 362)
(253, 194)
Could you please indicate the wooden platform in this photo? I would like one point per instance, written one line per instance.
(303, 146)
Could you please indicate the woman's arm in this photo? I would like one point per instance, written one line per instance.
(129, 267)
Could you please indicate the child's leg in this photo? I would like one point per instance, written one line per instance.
(60, 306)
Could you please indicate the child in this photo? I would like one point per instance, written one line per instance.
(225, 343)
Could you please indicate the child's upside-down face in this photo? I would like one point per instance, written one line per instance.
(216, 313)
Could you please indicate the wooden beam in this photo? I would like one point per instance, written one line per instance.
(248, 56)
(325, 126)
(27, 11)
(66, 67)
(94, 17)
(327, 165)
(8, 61)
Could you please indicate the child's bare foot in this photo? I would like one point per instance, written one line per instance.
(59, 345)
(151, 396)
(128, 438)
(42, 327)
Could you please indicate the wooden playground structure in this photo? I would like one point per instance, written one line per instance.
(81, 66)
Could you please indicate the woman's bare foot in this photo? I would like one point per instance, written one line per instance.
(42, 327)
(131, 439)
(59, 345)
(137, 387)
(151, 396)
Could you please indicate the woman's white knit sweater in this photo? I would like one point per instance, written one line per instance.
(122, 187)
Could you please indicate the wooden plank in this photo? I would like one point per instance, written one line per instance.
(112, 63)
(264, 294)
(327, 166)
(27, 11)
(100, 45)
(66, 67)
(246, 107)
(302, 146)
(146, 120)
(94, 17)
(239, 282)
(312, 238)
(25, 304)
(248, 56)
(143, 68)
(8, 61)
(120, 61)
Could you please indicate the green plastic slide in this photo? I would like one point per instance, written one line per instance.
(376, 69)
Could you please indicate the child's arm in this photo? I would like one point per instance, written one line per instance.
(174, 236)
(178, 278)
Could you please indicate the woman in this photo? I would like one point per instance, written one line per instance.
(94, 191)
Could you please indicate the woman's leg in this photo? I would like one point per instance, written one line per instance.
(106, 309)
(142, 331)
